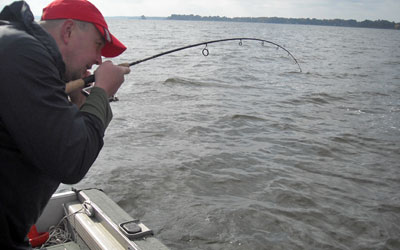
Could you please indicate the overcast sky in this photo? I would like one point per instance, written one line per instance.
(321, 9)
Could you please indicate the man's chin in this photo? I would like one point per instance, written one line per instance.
(76, 76)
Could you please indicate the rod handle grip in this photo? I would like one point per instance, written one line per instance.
(85, 82)
(77, 84)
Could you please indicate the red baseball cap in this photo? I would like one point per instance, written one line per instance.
(83, 10)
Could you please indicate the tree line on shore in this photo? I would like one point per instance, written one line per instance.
(379, 24)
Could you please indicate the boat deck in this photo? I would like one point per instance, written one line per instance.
(96, 222)
(66, 246)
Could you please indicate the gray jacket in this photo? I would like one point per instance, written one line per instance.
(44, 139)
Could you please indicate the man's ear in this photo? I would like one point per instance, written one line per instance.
(66, 30)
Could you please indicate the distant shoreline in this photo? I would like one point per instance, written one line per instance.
(379, 24)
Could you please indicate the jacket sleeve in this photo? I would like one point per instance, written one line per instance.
(98, 104)
(52, 135)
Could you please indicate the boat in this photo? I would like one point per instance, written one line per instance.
(88, 219)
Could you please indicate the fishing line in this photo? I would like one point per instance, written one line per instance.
(86, 82)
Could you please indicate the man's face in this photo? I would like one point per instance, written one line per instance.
(84, 50)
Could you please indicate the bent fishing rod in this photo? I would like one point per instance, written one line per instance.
(85, 82)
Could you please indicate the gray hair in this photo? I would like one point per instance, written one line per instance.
(51, 24)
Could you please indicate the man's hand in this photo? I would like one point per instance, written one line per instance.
(110, 77)
(76, 96)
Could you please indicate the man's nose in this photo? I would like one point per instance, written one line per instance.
(99, 59)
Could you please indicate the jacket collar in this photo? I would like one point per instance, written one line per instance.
(19, 12)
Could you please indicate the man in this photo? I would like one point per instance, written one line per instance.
(45, 139)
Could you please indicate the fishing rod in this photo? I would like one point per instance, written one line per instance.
(85, 82)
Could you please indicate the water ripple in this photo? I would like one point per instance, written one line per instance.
(239, 150)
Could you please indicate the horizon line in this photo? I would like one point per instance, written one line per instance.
(311, 18)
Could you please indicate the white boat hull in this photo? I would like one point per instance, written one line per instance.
(96, 222)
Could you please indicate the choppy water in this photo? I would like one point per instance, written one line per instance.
(238, 150)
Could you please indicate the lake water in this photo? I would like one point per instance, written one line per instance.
(239, 150)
